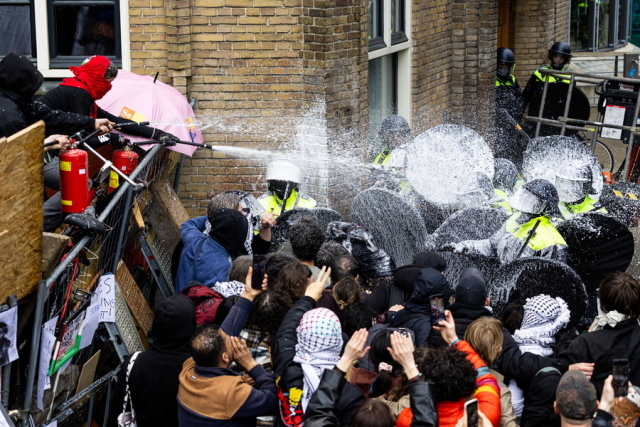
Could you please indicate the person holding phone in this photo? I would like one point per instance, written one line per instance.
(458, 374)
(615, 334)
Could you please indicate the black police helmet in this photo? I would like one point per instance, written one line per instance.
(561, 48)
(505, 175)
(394, 124)
(547, 192)
(505, 56)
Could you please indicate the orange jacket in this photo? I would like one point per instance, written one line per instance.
(487, 392)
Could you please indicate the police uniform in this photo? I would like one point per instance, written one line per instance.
(587, 205)
(536, 83)
(273, 204)
(501, 201)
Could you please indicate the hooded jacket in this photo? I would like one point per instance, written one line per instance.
(207, 259)
(415, 315)
(154, 377)
(19, 81)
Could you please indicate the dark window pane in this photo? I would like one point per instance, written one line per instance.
(603, 26)
(397, 16)
(84, 30)
(15, 30)
(375, 19)
(579, 24)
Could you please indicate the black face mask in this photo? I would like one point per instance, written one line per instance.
(282, 189)
(503, 72)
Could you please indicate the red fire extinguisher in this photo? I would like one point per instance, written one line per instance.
(74, 182)
(126, 162)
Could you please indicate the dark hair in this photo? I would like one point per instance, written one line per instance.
(357, 316)
(620, 292)
(379, 354)
(274, 264)
(347, 291)
(450, 372)
(402, 386)
(224, 308)
(328, 252)
(207, 346)
(240, 268)
(372, 413)
(111, 72)
(342, 267)
(306, 237)
(512, 317)
(222, 201)
(293, 280)
(269, 308)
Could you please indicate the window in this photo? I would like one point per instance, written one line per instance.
(60, 33)
(389, 83)
(599, 24)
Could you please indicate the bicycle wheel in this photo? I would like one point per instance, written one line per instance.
(604, 156)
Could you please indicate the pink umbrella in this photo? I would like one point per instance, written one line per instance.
(142, 98)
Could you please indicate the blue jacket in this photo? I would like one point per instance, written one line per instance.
(202, 259)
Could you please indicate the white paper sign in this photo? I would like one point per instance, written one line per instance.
(47, 342)
(8, 326)
(91, 321)
(107, 296)
(613, 115)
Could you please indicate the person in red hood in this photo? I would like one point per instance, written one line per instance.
(78, 94)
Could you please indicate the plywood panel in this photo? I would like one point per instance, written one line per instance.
(166, 214)
(135, 300)
(21, 199)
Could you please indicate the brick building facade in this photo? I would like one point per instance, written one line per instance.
(291, 77)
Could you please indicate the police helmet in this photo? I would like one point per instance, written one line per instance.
(505, 175)
(506, 56)
(560, 48)
(394, 125)
(283, 176)
(575, 183)
(537, 197)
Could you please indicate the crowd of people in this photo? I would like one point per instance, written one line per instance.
(317, 343)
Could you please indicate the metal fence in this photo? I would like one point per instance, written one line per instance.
(87, 258)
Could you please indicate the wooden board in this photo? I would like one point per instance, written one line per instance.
(135, 300)
(21, 198)
(166, 214)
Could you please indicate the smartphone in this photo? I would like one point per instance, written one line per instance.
(620, 374)
(471, 408)
(437, 309)
(258, 271)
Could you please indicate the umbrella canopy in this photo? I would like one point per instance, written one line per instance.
(142, 98)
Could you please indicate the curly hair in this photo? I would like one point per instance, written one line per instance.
(269, 308)
(293, 280)
(450, 372)
(306, 237)
(620, 292)
(274, 263)
(328, 252)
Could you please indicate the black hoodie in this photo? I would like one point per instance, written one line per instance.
(154, 377)
(19, 81)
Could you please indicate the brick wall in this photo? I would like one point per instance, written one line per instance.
(290, 77)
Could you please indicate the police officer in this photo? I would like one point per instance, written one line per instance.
(559, 58)
(528, 232)
(508, 106)
(390, 163)
(574, 188)
(283, 183)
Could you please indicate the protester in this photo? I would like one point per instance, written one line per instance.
(306, 237)
(576, 401)
(207, 259)
(153, 396)
(615, 331)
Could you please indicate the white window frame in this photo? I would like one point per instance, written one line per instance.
(404, 50)
(42, 40)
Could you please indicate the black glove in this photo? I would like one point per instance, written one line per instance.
(166, 138)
